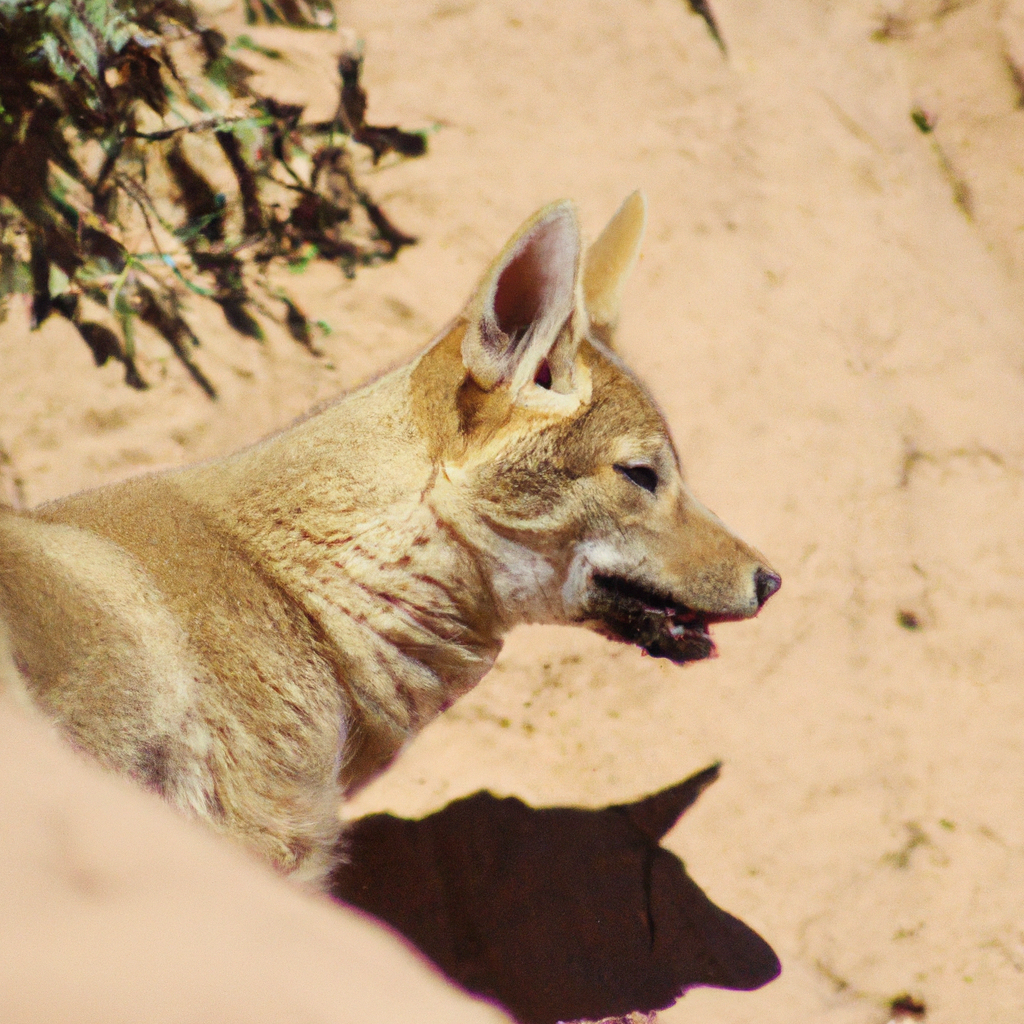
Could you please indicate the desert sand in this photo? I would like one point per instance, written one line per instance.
(829, 309)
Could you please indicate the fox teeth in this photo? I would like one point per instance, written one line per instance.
(678, 629)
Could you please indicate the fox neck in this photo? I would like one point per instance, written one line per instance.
(357, 522)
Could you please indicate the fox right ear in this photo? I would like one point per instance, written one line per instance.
(609, 262)
(517, 317)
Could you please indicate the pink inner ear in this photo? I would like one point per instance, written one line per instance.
(537, 277)
(517, 299)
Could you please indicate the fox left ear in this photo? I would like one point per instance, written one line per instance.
(518, 316)
(609, 262)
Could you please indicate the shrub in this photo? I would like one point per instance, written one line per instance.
(138, 165)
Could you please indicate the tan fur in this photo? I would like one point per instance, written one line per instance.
(258, 636)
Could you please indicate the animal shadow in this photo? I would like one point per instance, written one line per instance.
(558, 913)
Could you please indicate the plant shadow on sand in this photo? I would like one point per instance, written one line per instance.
(558, 913)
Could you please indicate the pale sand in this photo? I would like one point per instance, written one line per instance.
(838, 346)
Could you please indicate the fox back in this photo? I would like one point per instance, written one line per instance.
(256, 637)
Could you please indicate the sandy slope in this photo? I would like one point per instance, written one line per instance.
(114, 910)
(829, 309)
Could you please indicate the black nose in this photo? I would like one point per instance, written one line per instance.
(766, 583)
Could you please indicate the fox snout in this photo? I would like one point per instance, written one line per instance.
(756, 585)
(670, 623)
(707, 567)
(731, 588)
(664, 587)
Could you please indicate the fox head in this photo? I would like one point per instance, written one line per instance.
(555, 464)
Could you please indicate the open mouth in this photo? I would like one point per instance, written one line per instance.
(622, 609)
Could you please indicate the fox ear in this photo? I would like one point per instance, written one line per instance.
(520, 310)
(608, 263)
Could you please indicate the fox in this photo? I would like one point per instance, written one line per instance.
(256, 637)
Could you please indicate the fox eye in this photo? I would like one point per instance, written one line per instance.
(642, 476)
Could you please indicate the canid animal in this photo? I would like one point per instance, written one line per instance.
(256, 637)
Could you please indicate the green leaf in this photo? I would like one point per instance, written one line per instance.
(51, 48)
(246, 42)
(99, 12)
(126, 318)
(84, 46)
(118, 33)
(298, 265)
(15, 274)
(925, 123)
(197, 101)
(59, 282)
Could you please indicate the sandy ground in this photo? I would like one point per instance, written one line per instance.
(829, 309)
